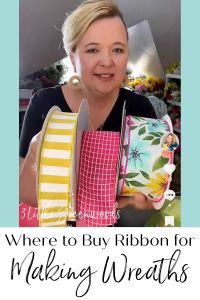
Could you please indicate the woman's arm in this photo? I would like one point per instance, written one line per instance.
(32, 124)
(28, 173)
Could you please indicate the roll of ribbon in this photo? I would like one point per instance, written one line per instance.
(97, 178)
(143, 159)
(56, 165)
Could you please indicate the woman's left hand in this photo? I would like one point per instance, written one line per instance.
(138, 201)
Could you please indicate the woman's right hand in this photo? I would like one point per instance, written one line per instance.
(138, 201)
(32, 151)
(28, 174)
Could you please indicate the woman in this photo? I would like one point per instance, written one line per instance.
(170, 143)
(96, 39)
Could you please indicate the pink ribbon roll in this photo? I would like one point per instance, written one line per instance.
(97, 178)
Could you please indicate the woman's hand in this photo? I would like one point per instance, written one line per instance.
(32, 151)
(138, 201)
(28, 173)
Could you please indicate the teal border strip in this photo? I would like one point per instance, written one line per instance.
(190, 114)
(9, 122)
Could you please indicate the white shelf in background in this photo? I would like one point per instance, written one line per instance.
(22, 109)
(175, 76)
(173, 102)
(177, 129)
(25, 93)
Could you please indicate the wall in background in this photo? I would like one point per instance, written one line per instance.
(41, 21)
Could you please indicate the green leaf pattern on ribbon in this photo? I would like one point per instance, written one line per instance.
(142, 131)
(151, 132)
(159, 163)
(131, 175)
(136, 183)
(156, 142)
(145, 175)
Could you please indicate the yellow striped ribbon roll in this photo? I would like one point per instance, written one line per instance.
(56, 165)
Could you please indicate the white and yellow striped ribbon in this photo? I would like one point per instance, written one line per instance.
(56, 165)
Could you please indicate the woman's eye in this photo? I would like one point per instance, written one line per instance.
(118, 50)
(93, 50)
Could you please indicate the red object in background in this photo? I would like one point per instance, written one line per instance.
(28, 216)
(23, 103)
(177, 123)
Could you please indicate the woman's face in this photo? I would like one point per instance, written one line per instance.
(169, 139)
(100, 59)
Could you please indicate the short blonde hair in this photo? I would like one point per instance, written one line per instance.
(83, 16)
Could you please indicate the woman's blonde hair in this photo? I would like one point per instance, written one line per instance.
(174, 139)
(83, 16)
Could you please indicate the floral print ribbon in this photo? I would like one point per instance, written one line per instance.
(143, 159)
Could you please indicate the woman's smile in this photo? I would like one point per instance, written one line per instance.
(105, 77)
